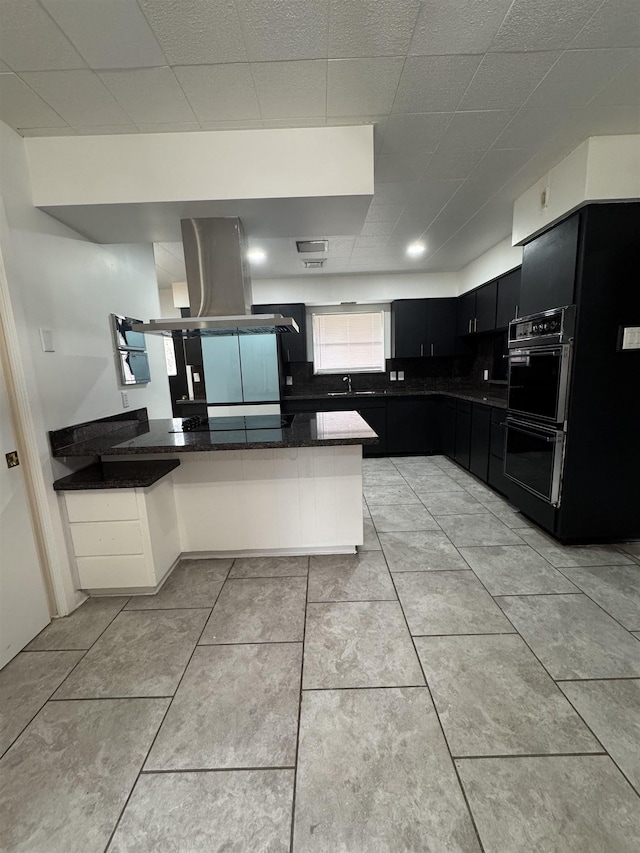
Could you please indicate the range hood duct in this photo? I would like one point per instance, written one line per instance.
(219, 285)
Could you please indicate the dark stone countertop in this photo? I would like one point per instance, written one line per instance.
(473, 395)
(117, 475)
(154, 436)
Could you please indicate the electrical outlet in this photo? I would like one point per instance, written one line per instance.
(288, 380)
(485, 375)
(393, 375)
(125, 399)
(401, 376)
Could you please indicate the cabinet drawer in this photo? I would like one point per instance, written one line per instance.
(102, 505)
(112, 572)
(101, 539)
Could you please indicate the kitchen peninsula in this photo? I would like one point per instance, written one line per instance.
(246, 486)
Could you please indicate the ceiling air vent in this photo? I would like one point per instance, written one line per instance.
(314, 265)
(312, 246)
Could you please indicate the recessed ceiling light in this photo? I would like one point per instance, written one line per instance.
(414, 250)
(257, 256)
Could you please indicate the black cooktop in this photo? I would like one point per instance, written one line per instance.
(199, 423)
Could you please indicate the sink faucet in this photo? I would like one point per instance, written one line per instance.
(347, 379)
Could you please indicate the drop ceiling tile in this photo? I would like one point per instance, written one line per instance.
(466, 26)
(371, 27)
(108, 35)
(175, 127)
(79, 97)
(609, 119)
(31, 41)
(364, 254)
(295, 89)
(542, 24)
(453, 165)
(21, 107)
(615, 24)
(410, 133)
(196, 32)
(4, 67)
(370, 242)
(624, 88)
(377, 229)
(219, 92)
(284, 29)
(496, 167)
(362, 85)
(384, 213)
(340, 247)
(578, 76)
(392, 193)
(149, 95)
(529, 128)
(430, 192)
(504, 81)
(434, 83)
(474, 130)
(314, 121)
(399, 167)
(251, 124)
(105, 129)
(46, 131)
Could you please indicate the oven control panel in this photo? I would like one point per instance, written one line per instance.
(554, 326)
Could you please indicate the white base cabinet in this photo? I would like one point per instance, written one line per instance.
(123, 539)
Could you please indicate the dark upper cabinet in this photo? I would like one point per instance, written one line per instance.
(441, 326)
(466, 313)
(508, 303)
(480, 441)
(549, 268)
(486, 297)
(423, 327)
(409, 327)
(293, 347)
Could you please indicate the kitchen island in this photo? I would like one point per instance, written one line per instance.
(249, 487)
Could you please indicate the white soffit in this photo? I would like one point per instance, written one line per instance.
(602, 168)
(133, 187)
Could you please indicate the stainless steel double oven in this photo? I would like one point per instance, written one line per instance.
(540, 350)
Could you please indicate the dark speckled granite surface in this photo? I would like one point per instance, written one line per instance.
(136, 474)
(154, 436)
(491, 397)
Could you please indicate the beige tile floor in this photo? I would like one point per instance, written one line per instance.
(462, 684)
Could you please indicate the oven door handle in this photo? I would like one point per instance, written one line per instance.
(522, 427)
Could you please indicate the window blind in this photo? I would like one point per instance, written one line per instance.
(348, 343)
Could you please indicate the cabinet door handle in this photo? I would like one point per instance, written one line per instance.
(516, 314)
(431, 349)
(475, 324)
(421, 349)
(470, 322)
(288, 356)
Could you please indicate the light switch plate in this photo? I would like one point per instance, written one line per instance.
(401, 375)
(125, 399)
(393, 375)
(288, 380)
(630, 337)
(46, 339)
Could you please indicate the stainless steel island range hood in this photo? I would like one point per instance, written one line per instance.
(219, 285)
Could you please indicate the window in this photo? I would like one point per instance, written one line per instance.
(348, 343)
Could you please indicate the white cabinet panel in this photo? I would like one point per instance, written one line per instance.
(111, 572)
(102, 505)
(104, 539)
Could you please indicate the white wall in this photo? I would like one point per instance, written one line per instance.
(602, 168)
(496, 261)
(62, 282)
(365, 287)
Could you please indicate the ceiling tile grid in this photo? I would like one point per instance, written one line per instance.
(478, 96)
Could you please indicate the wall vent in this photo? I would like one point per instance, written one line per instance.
(314, 265)
(312, 246)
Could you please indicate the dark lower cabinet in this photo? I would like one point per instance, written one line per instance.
(480, 439)
(448, 427)
(463, 434)
(411, 425)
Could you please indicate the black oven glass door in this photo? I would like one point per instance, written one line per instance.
(536, 382)
(533, 458)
